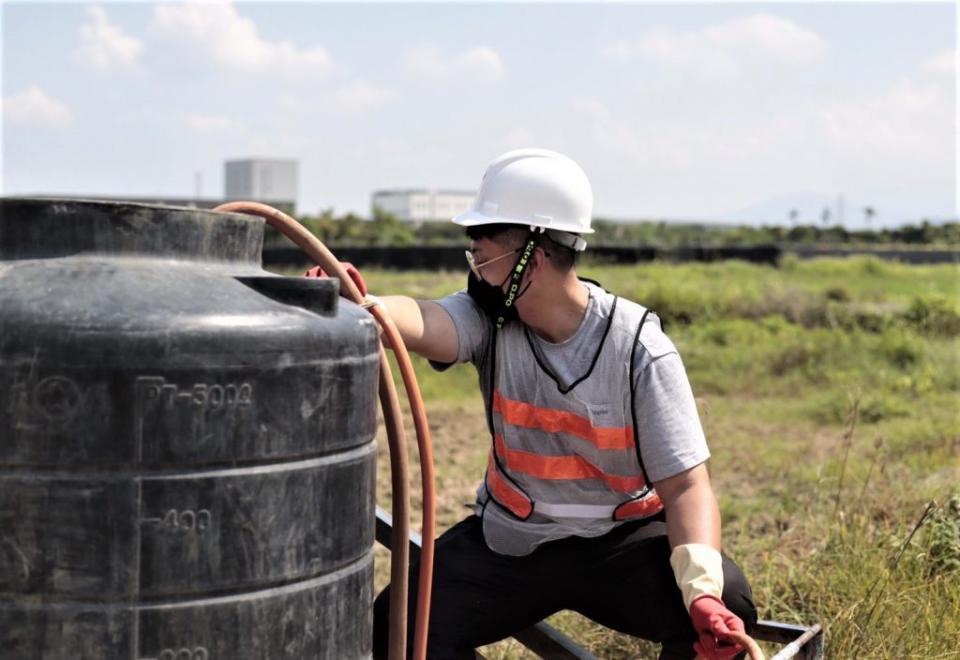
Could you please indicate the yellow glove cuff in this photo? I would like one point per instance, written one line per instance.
(698, 569)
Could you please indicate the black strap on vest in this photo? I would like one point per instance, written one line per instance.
(493, 444)
(633, 394)
(633, 416)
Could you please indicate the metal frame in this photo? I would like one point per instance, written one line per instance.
(804, 643)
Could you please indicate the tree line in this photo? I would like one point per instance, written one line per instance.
(384, 229)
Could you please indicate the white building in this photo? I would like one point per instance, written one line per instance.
(423, 205)
(261, 180)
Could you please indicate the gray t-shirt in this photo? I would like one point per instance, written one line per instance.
(668, 426)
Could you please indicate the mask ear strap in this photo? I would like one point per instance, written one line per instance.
(513, 290)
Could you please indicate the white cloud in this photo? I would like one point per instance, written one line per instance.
(209, 124)
(944, 62)
(359, 96)
(724, 50)
(234, 42)
(904, 120)
(592, 109)
(480, 63)
(622, 136)
(519, 138)
(886, 146)
(34, 107)
(293, 103)
(103, 45)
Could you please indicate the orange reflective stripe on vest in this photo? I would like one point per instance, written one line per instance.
(562, 467)
(642, 508)
(506, 493)
(518, 413)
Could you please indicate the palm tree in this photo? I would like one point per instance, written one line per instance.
(868, 213)
(825, 215)
(793, 215)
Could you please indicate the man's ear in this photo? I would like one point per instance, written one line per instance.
(538, 261)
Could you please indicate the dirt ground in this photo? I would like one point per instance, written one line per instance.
(460, 445)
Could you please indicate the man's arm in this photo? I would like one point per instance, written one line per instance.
(693, 515)
(693, 529)
(425, 326)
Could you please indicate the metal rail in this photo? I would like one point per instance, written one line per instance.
(804, 643)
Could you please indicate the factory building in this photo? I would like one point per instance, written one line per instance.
(269, 180)
(422, 205)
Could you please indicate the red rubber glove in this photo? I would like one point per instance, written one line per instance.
(352, 271)
(713, 623)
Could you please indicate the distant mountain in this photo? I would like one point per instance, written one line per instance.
(810, 207)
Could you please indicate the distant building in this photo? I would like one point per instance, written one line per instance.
(269, 180)
(422, 205)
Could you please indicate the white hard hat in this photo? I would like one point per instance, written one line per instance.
(536, 188)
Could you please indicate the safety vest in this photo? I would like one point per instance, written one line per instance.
(567, 452)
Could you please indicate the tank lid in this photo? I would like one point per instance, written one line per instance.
(49, 227)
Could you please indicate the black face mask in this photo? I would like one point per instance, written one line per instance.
(501, 307)
(491, 299)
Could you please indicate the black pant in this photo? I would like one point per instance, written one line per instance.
(621, 580)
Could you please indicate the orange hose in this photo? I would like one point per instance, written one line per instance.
(418, 410)
(319, 253)
(744, 640)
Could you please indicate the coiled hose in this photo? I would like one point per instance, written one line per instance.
(396, 439)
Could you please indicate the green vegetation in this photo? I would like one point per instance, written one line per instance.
(829, 391)
(662, 234)
(385, 229)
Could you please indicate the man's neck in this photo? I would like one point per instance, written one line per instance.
(555, 310)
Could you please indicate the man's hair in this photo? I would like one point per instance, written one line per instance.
(562, 257)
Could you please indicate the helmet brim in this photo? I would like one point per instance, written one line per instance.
(474, 218)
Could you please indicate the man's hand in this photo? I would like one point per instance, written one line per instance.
(713, 623)
(352, 271)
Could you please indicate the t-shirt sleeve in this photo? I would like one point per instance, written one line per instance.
(668, 424)
(473, 328)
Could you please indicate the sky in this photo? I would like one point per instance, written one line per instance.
(726, 112)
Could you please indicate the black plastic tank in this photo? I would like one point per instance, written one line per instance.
(187, 442)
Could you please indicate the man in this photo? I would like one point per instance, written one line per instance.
(596, 496)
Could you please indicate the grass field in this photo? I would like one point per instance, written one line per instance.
(829, 391)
